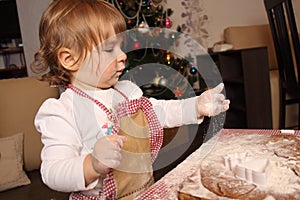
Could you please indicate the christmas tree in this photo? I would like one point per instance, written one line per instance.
(150, 64)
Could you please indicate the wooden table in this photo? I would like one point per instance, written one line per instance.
(168, 186)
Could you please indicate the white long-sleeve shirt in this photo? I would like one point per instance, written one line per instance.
(71, 125)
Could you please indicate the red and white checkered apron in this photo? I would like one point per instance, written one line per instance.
(155, 139)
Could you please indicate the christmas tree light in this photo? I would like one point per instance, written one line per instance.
(145, 16)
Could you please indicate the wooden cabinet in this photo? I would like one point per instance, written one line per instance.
(11, 69)
(245, 74)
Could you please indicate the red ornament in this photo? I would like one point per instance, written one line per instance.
(156, 31)
(178, 92)
(168, 23)
(136, 44)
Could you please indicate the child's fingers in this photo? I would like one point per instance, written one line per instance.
(218, 98)
(227, 102)
(217, 89)
(120, 140)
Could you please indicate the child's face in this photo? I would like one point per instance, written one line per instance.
(102, 66)
(114, 60)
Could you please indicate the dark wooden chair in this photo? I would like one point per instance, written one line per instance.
(286, 41)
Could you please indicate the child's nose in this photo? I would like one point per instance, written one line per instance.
(122, 57)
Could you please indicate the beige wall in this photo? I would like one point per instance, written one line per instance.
(30, 12)
(224, 13)
(296, 4)
(221, 14)
(244, 12)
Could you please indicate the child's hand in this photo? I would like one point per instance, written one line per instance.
(107, 153)
(212, 102)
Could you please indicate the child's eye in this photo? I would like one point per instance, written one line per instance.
(109, 49)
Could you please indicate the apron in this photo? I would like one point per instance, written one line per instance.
(136, 120)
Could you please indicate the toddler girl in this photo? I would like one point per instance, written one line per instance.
(101, 136)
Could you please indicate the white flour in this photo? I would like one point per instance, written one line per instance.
(280, 177)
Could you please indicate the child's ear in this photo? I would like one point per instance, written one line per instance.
(68, 59)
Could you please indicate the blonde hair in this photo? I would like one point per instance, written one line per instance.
(75, 24)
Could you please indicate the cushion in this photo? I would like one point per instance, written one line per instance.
(19, 103)
(37, 190)
(243, 37)
(11, 162)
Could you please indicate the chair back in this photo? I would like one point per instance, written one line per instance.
(286, 41)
